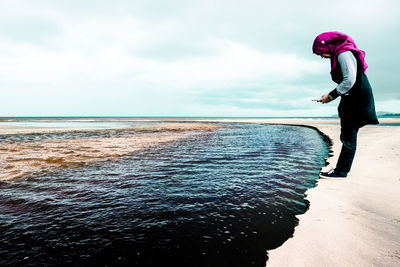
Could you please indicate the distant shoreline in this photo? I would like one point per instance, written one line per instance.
(2, 118)
(178, 118)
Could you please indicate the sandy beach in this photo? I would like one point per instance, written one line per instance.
(350, 222)
(353, 221)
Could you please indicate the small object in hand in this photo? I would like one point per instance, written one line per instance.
(325, 99)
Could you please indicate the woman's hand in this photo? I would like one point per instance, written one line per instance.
(325, 99)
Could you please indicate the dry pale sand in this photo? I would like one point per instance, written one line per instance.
(353, 221)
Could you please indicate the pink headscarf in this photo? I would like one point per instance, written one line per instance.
(335, 43)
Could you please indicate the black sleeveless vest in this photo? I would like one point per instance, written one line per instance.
(357, 107)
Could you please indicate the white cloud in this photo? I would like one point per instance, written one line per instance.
(230, 63)
(180, 52)
(388, 106)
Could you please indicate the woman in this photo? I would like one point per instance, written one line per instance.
(356, 108)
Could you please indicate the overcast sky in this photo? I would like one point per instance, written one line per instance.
(186, 58)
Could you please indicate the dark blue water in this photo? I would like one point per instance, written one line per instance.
(218, 199)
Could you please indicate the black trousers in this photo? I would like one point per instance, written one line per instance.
(348, 136)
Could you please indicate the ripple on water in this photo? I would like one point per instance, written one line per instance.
(216, 199)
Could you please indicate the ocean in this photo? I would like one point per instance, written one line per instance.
(146, 192)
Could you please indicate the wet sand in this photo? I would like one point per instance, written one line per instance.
(175, 127)
(22, 158)
(353, 221)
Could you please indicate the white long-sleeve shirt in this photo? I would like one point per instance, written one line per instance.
(348, 64)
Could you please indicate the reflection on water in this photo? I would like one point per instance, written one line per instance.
(220, 198)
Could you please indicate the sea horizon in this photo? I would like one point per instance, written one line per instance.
(163, 117)
(334, 116)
